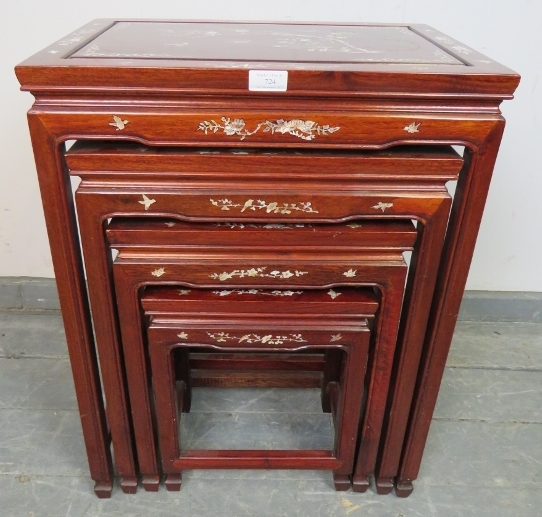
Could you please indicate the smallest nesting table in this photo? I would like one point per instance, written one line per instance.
(195, 319)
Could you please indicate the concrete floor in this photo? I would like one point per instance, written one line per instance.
(483, 457)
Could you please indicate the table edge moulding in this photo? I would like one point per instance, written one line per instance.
(201, 101)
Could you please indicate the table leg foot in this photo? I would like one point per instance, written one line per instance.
(173, 482)
(128, 485)
(384, 485)
(360, 484)
(403, 488)
(341, 482)
(151, 483)
(103, 489)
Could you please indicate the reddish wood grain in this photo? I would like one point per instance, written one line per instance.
(384, 269)
(165, 100)
(321, 74)
(163, 335)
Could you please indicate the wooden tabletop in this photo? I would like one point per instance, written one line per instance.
(193, 56)
(318, 45)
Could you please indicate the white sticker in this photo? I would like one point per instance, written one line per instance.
(267, 80)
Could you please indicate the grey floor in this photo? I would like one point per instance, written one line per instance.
(483, 457)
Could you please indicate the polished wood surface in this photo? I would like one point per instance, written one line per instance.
(344, 68)
(257, 369)
(207, 104)
(103, 159)
(102, 196)
(423, 197)
(304, 43)
(466, 216)
(174, 234)
(304, 267)
(243, 330)
(343, 301)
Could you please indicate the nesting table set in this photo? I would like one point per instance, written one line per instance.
(248, 194)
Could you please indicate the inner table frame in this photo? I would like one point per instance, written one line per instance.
(476, 125)
(99, 200)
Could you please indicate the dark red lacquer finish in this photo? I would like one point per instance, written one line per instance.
(183, 87)
(246, 262)
(281, 323)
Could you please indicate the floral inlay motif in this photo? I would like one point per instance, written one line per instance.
(94, 50)
(169, 224)
(147, 202)
(354, 225)
(257, 272)
(184, 292)
(336, 337)
(118, 123)
(76, 37)
(262, 292)
(269, 226)
(182, 335)
(413, 127)
(445, 39)
(342, 43)
(333, 294)
(350, 273)
(461, 49)
(158, 272)
(382, 206)
(270, 339)
(304, 129)
(274, 207)
(331, 42)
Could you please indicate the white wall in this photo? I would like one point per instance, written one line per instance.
(510, 243)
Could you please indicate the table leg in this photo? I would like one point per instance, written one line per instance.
(416, 307)
(379, 379)
(138, 376)
(97, 257)
(461, 236)
(59, 213)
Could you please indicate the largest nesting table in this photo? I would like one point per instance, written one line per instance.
(347, 87)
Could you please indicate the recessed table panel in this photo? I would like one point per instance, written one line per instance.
(252, 41)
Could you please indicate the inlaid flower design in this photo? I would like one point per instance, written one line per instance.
(233, 127)
(273, 207)
(461, 49)
(445, 39)
(261, 292)
(304, 129)
(158, 272)
(76, 37)
(268, 226)
(257, 272)
(270, 339)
